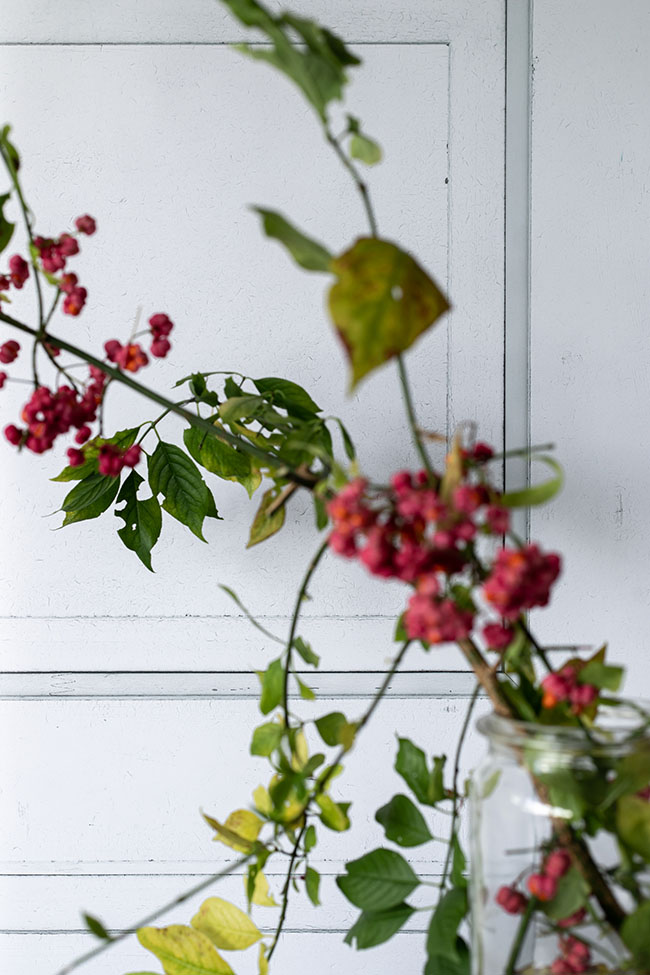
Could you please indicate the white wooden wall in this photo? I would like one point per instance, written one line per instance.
(126, 697)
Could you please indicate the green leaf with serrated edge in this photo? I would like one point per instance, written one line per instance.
(333, 814)
(104, 497)
(96, 927)
(266, 738)
(304, 649)
(537, 493)
(220, 458)
(142, 519)
(443, 929)
(308, 253)
(381, 303)
(374, 928)
(6, 228)
(572, 894)
(183, 951)
(306, 692)
(312, 885)
(272, 680)
(634, 933)
(403, 822)
(310, 838)
(313, 57)
(265, 525)
(603, 676)
(122, 439)
(411, 764)
(633, 824)
(177, 478)
(365, 149)
(442, 965)
(378, 880)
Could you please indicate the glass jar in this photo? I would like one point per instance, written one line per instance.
(560, 820)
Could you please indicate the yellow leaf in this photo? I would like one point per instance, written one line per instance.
(262, 800)
(261, 893)
(183, 951)
(225, 925)
(300, 755)
(239, 831)
(454, 470)
(381, 302)
(331, 814)
(263, 961)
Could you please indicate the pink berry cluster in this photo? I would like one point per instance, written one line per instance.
(563, 686)
(54, 253)
(111, 460)
(131, 356)
(575, 957)
(18, 273)
(49, 414)
(543, 885)
(412, 533)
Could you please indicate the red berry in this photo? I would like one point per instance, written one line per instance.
(75, 457)
(13, 434)
(497, 637)
(161, 325)
(160, 348)
(9, 351)
(67, 245)
(3, 379)
(542, 887)
(132, 455)
(74, 301)
(557, 863)
(82, 434)
(511, 900)
(68, 282)
(19, 269)
(86, 224)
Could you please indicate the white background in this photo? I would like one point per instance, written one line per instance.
(127, 696)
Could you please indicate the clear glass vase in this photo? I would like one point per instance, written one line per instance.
(560, 821)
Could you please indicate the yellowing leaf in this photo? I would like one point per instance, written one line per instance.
(225, 925)
(261, 893)
(239, 831)
(300, 755)
(454, 469)
(382, 301)
(183, 951)
(263, 962)
(262, 800)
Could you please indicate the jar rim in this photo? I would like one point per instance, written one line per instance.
(618, 728)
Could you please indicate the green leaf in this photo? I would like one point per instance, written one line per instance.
(365, 149)
(348, 445)
(381, 303)
(9, 148)
(458, 863)
(272, 685)
(632, 775)
(315, 60)
(335, 729)
(6, 228)
(444, 965)
(572, 894)
(403, 822)
(308, 253)
(235, 598)
(603, 676)
(177, 478)
(266, 738)
(288, 395)
(374, 928)
(142, 519)
(310, 838)
(265, 525)
(634, 933)
(411, 764)
(90, 498)
(244, 407)
(96, 927)
(633, 824)
(378, 880)
(220, 458)
(312, 884)
(538, 493)
(306, 692)
(443, 929)
(183, 951)
(333, 814)
(304, 649)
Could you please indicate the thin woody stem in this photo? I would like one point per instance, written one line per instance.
(263, 456)
(286, 889)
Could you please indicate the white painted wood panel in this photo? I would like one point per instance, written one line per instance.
(167, 144)
(590, 341)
